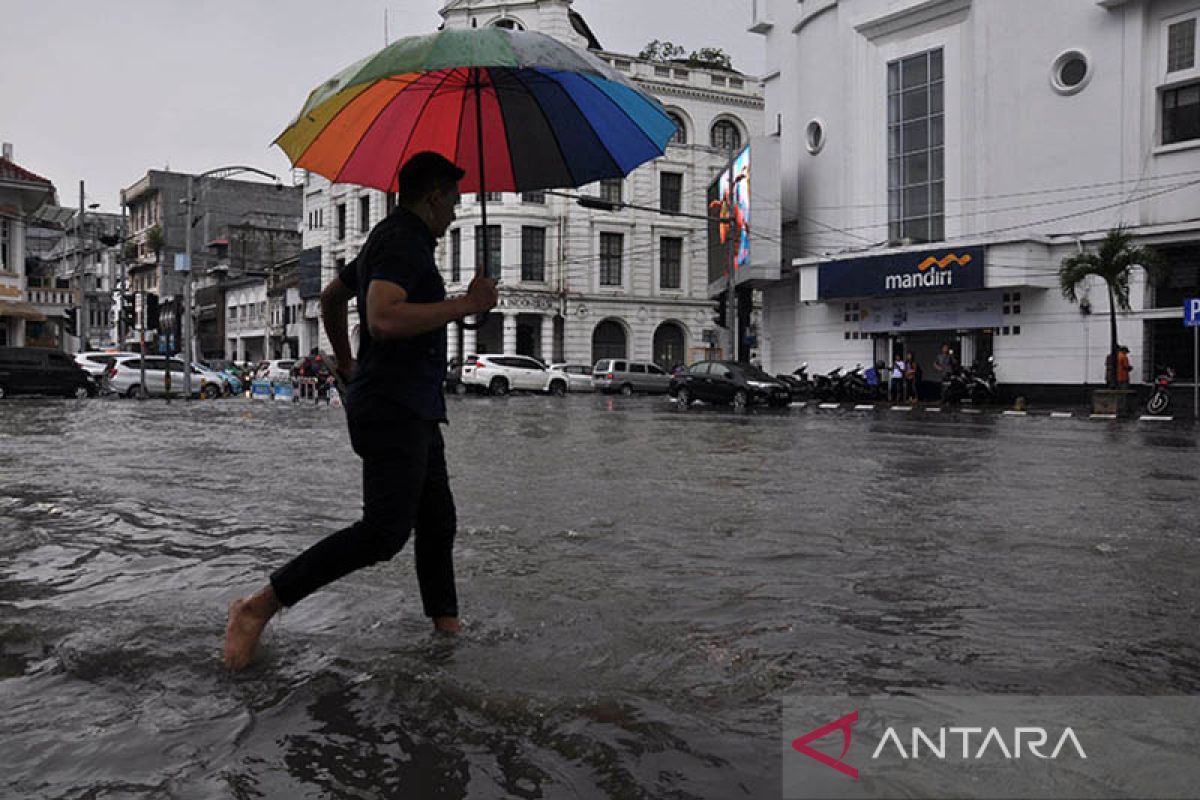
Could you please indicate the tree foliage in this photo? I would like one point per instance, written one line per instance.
(662, 51)
(668, 52)
(1113, 264)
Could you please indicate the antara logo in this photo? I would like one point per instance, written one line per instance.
(938, 745)
(926, 275)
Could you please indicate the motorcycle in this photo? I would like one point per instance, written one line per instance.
(853, 386)
(825, 386)
(798, 383)
(981, 382)
(1160, 399)
(955, 386)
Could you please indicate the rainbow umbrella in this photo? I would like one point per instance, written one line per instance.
(517, 110)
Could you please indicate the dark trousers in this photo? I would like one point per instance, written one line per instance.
(405, 486)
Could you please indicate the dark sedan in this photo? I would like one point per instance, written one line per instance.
(728, 382)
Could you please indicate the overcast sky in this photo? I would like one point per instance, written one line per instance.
(103, 91)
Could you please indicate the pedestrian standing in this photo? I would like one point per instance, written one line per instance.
(912, 377)
(394, 406)
(1124, 368)
(896, 386)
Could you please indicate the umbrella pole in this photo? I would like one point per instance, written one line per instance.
(485, 268)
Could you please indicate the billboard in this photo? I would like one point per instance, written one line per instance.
(729, 219)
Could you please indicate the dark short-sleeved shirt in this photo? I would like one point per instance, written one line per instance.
(400, 379)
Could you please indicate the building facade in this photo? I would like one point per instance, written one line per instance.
(941, 157)
(239, 228)
(22, 195)
(580, 284)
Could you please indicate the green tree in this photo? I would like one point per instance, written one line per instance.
(711, 57)
(662, 51)
(1113, 263)
(154, 241)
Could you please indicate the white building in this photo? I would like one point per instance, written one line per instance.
(1007, 132)
(247, 324)
(580, 284)
(22, 194)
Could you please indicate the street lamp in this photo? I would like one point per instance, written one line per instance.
(189, 201)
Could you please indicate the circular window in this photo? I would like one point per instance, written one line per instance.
(814, 136)
(1071, 72)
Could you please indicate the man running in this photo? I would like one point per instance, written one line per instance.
(394, 407)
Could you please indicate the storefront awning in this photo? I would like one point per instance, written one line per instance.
(19, 310)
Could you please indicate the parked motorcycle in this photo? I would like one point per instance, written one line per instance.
(1160, 398)
(825, 386)
(981, 386)
(955, 386)
(798, 383)
(853, 386)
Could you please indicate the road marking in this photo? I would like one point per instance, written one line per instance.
(971, 411)
(798, 404)
(1149, 418)
(1061, 414)
(902, 408)
(1013, 413)
(933, 410)
(1103, 416)
(829, 405)
(867, 407)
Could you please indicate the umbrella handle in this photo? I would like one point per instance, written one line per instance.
(479, 322)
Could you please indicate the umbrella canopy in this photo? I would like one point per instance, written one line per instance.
(551, 115)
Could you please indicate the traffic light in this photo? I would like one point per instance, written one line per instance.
(721, 310)
(70, 322)
(128, 313)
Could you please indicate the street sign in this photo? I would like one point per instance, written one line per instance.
(183, 262)
(1191, 312)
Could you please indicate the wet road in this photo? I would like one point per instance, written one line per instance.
(642, 588)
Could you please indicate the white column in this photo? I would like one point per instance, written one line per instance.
(510, 333)
(452, 340)
(469, 348)
(547, 338)
(241, 349)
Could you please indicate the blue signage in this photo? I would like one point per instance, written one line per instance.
(1191, 312)
(925, 272)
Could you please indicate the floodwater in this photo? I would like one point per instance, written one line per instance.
(641, 587)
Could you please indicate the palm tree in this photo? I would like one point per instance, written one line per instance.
(1113, 263)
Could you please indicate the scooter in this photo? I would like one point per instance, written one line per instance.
(1160, 399)
(825, 386)
(981, 382)
(955, 386)
(853, 386)
(798, 383)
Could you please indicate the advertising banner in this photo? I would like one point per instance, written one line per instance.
(918, 273)
(935, 312)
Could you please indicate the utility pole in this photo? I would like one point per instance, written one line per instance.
(189, 203)
(81, 325)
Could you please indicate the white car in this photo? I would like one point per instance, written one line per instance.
(97, 362)
(500, 374)
(124, 376)
(277, 370)
(570, 378)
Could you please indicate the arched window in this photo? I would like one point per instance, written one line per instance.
(608, 341)
(511, 24)
(680, 136)
(726, 136)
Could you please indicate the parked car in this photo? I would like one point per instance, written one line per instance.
(570, 378)
(729, 382)
(275, 370)
(216, 377)
(627, 377)
(124, 377)
(500, 374)
(97, 361)
(38, 370)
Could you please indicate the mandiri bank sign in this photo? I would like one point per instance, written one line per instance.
(897, 274)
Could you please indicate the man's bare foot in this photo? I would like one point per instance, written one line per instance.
(247, 618)
(447, 624)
